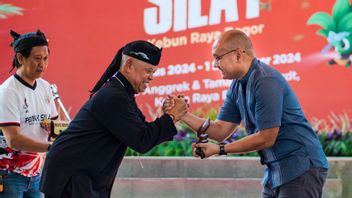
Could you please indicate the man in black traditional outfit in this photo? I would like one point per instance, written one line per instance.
(84, 159)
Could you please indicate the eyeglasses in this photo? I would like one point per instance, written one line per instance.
(218, 59)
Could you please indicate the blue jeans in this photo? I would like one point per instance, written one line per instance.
(18, 186)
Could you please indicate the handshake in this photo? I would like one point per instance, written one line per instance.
(176, 107)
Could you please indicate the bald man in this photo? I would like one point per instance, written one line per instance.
(261, 98)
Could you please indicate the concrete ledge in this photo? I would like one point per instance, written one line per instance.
(218, 167)
(184, 177)
(200, 187)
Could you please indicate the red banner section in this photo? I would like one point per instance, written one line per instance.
(84, 37)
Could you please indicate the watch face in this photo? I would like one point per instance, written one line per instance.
(222, 149)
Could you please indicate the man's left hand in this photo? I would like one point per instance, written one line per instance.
(209, 149)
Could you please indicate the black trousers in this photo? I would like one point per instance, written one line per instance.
(308, 185)
(76, 187)
(67, 193)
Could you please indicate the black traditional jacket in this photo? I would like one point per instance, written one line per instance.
(88, 153)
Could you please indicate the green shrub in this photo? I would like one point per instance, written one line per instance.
(334, 135)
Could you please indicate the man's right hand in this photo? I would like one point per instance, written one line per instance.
(178, 108)
(168, 104)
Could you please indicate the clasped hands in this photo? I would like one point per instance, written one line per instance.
(176, 107)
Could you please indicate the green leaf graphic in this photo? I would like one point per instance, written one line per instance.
(322, 19)
(8, 10)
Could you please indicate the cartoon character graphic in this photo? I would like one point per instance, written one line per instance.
(337, 29)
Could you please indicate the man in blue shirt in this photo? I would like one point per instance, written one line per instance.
(296, 165)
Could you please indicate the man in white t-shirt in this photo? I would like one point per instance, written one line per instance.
(26, 100)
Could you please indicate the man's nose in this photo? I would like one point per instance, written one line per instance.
(215, 64)
(151, 77)
(42, 63)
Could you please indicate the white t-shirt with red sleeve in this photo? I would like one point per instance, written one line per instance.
(25, 106)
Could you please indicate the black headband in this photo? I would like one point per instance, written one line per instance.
(144, 51)
(141, 50)
(26, 41)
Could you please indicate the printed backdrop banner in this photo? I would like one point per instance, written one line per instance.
(84, 36)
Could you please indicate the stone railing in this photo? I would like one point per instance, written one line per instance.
(183, 177)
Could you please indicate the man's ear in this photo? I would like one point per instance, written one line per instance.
(20, 58)
(128, 65)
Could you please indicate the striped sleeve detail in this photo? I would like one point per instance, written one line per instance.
(54, 118)
(9, 124)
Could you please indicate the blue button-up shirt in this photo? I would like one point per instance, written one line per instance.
(263, 99)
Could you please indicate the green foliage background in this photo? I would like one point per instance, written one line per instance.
(335, 135)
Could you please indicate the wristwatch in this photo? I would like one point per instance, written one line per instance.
(222, 149)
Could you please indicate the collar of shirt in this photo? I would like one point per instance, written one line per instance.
(25, 83)
(124, 82)
(119, 78)
(251, 68)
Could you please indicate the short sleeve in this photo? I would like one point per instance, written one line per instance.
(229, 111)
(9, 108)
(269, 94)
